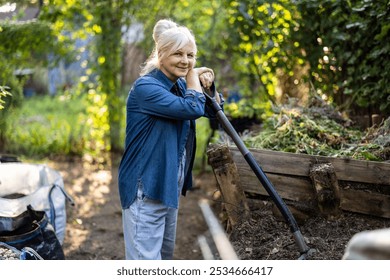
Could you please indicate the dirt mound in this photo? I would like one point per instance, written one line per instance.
(264, 237)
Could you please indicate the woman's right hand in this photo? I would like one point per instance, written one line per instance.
(207, 79)
(198, 77)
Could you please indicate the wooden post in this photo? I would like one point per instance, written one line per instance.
(226, 174)
(376, 120)
(325, 182)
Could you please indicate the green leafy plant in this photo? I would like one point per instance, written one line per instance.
(345, 43)
(3, 93)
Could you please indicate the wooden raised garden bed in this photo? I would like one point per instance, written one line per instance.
(324, 185)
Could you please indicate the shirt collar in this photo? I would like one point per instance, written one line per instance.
(158, 74)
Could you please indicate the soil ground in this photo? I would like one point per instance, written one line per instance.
(94, 226)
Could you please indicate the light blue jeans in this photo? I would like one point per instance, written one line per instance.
(149, 227)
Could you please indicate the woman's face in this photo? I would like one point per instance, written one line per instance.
(178, 63)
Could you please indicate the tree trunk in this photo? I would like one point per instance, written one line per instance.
(110, 48)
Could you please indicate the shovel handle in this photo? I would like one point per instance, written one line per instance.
(223, 120)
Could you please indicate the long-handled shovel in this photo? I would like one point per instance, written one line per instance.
(223, 120)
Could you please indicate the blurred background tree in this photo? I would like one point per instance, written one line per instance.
(24, 45)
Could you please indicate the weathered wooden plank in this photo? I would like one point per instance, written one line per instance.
(288, 187)
(300, 189)
(299, 165)
(289, 174)
(365, 202)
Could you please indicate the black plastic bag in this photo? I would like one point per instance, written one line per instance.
(31, 229)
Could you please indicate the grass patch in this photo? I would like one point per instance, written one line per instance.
(47, 126)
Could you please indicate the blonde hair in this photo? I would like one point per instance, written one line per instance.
(168, 37)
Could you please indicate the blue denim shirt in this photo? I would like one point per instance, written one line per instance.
(159, 126)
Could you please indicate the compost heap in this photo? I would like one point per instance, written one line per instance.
(318, 129)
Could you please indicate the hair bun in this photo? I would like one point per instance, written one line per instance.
(162, 26)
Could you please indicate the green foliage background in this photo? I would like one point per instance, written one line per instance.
(346, 45)
(338, 48)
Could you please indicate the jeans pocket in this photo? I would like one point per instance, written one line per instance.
(140, 192)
